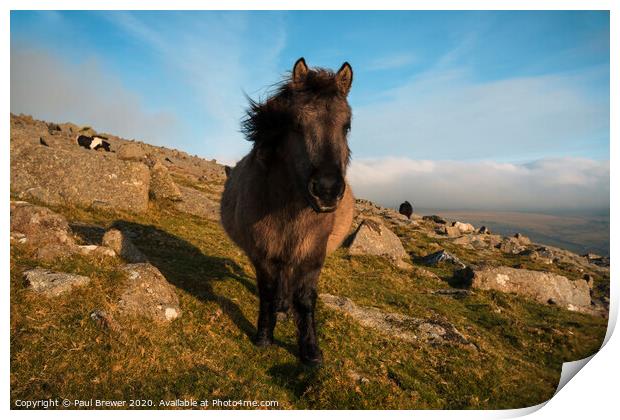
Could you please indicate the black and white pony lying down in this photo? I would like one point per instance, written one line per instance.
(93, 143)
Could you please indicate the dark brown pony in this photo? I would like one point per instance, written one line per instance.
(287, 203)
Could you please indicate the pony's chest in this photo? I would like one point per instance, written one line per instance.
(291, 236)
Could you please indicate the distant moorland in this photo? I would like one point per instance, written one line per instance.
(577, 233)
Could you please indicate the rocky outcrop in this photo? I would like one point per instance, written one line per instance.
(478, 241)
(148, 294)
(162, 186)
(450, 231)
(47, 233)
(547, 288)
(197, 203)
(131, 151)
(439, 257)
(397, 325)
(373, 238)
(51, 283)
(79, 177)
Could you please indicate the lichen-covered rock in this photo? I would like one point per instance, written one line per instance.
(47, 233)
(477, 241)
(51, 283)
(79, 177)
(396, 325)
(131, 151)
(148, 294)
(374, 238)
(120, 243)
(450, 231)
(162, 186)
(197, 203)
(511, 246)
(541, 286)
(438, 257)
(522, 239)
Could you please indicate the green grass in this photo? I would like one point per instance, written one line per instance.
(57, 351)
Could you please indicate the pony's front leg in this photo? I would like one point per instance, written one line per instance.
(267, 311)
(304, 303)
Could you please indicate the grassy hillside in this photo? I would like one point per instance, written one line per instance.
(58, 351)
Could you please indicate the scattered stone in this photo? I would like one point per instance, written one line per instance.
(537, 285)
(96, 250)
(197, 203)
(44, 230)
(39, 224)
(51, 283)
(457, 293)
(436, 219)
(450, 231)
(592, 256)
(464, 227)
(162, 186)
(477, 241)
(484, 230)
(131, 151)
(356, 377)
(597, 259)
(406, 328)
(522, 239)
(463, 277)
(373, 238)
(589, 278)
(42, 142)
(511, 246)
(78, 177)
(148, 294)
(51, 127)
(438, 257)
(120, 243)
(104, 320)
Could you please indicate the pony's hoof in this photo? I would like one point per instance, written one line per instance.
(262, 341)
(312, 357)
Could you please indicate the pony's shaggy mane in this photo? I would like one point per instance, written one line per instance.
(264, 119)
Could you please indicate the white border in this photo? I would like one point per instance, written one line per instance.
(591, 394)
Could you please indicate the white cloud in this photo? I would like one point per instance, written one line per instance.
(219, 55)
(549, 184)
(48, 88)
(446, 113)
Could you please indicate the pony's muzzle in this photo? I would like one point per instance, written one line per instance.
(326, 191)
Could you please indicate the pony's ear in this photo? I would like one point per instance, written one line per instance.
(300, 70)
(344, 78)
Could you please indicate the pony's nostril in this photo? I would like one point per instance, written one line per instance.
(313, 188)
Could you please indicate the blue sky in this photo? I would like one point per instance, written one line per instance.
(484, 88)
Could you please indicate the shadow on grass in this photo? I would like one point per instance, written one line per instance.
(294, 376)
(187, 267)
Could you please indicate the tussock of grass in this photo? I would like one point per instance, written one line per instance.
(57, 351)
